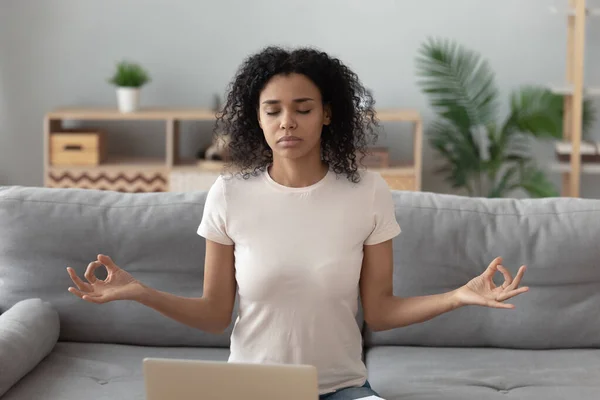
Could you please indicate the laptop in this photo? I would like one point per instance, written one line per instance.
(176, 379)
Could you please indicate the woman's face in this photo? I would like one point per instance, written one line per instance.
(291, 115)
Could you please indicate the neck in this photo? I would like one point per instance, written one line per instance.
(297, 173)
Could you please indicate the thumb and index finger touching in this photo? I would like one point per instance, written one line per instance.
(102, 260)
(107, 262)
(85, 290)
(510, 284)
(492, 268)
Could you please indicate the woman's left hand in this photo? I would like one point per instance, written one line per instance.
(483, 291)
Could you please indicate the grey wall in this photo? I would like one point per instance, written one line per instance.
(60, 52)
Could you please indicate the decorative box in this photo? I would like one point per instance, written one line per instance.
(77, 147)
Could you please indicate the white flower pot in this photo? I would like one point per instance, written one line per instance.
(128, 99)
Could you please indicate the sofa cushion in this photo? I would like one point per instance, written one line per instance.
(447, 240)
(28, 332)
(151, 235)
(484, 373)
(75, 371)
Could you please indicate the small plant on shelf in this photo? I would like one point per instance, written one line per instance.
(129, 77)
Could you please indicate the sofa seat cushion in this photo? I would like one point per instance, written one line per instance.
(424, 373)
(75, 371)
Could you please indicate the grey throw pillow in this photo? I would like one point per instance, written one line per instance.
(28, 332)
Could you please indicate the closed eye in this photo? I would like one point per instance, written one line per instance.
(299, 112)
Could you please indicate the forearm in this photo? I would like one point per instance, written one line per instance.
(198, 313)
(395, 312)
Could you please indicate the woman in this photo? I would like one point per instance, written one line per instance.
(300, 231)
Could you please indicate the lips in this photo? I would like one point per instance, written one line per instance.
(288, 139)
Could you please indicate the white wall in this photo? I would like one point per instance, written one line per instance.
(60, 52)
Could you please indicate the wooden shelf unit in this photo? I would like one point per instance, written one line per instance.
(119, 173)
(406, 176)
(162, 174)
(574, 91)
(591, 168)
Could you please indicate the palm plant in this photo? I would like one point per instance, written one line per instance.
(483, 155)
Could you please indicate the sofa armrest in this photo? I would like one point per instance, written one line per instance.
(28, 332)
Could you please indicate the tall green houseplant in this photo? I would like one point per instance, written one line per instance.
(486, 155)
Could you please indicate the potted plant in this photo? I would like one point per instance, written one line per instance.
(129, 78)
(484, 153)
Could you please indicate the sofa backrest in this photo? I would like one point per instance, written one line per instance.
(151, 235)
(447, 240)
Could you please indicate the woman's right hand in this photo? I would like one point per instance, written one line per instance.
(118, 285)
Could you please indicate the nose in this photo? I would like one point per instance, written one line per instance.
(287, 121)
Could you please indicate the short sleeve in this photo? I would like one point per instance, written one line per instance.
(213, 225)
(385, 226)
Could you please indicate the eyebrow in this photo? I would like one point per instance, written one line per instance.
(300, 100)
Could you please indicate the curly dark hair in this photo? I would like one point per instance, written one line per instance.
(343, 142)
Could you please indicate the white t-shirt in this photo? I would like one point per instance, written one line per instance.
(298, 256)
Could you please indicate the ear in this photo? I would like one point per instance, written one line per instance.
(326, 114)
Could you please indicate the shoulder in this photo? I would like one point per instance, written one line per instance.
(230, 181)
(377, 188)
(229, 186)
(363, 192)
(371, 177)
(369, 181)
(366, 185)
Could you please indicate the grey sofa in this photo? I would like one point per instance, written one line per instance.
(65, 348)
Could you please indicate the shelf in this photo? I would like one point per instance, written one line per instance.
(399, 170)
(146, 114)
(567, 90)
(586, 168)
(201, 174)
(195, 165)
(565, 147)
(590, 12)
(571, 164)
(406, 115)
(125, 174)
(156, 174)
(116, 164)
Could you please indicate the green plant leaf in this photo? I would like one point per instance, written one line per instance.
(501, 188)
(462, 162)
(129, 74)
(588, 118)
(495, 151)
(536, 184)
(460, 87)
(459, 83)
(533, 111)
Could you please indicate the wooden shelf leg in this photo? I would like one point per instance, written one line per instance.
(566, 184)
(418, 154)
(50, 125)
(577, 101)
(172, 145)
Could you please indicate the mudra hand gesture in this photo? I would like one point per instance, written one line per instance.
(483, 291)
(118, 285)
